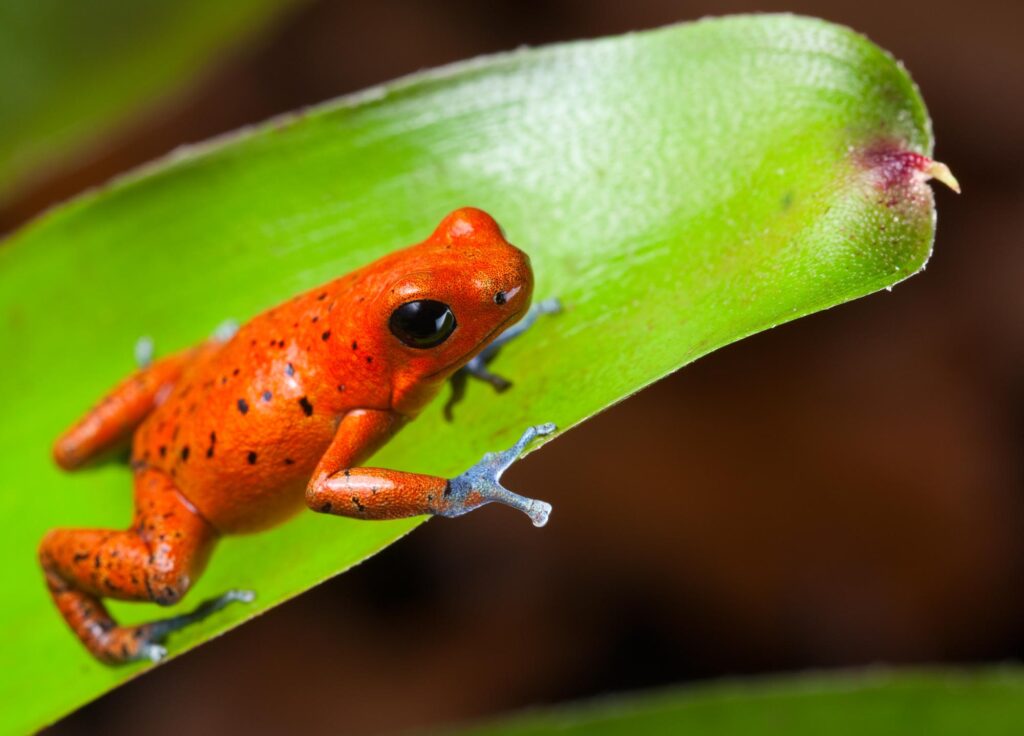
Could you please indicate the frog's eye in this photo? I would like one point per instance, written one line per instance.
(422, 324)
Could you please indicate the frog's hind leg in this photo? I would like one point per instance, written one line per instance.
(109, 425)
(157, 560)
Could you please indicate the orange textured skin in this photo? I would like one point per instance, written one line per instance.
(234, 436)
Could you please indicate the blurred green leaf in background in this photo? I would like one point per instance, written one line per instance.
(986, 703)
(71, 70)
(678, 189)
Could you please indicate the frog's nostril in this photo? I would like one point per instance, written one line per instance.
(503, 297)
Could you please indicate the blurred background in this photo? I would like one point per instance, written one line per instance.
(844, 490)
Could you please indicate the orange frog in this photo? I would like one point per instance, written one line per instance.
(236, 434)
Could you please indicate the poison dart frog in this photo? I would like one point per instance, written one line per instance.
(239, 433)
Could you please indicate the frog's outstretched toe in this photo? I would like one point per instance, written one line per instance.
(539, 512)
(525, 440)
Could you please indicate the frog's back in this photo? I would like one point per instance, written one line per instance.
(244, 427)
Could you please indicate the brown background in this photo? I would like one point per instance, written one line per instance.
(843, 490)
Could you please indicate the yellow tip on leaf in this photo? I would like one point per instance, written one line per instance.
(939, 171)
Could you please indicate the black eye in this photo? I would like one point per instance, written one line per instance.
(422, 324)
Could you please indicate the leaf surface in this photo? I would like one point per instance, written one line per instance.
(678, 189)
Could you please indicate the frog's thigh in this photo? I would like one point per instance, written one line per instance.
(109, 424)
(157, 559)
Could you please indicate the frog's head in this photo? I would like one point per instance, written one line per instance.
(446, 299)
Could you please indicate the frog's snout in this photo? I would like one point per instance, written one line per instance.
(513, 284)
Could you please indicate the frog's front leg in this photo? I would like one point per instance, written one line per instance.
(379, 493)
(477, 367)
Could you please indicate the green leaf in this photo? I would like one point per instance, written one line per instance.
(984, 703)
(678, 189)
(63, 72)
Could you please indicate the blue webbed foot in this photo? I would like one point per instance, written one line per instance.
(481, 484)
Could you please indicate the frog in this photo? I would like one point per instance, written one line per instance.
(246, 429)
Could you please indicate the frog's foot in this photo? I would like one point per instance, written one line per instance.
(481, 483)
(225, 330)
(116, 644)
(144, 352)
(145, 349)
(155, 632)
(145, 642)
(477, 367)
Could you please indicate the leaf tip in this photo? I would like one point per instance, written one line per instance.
(899, 173)
(940, 172)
